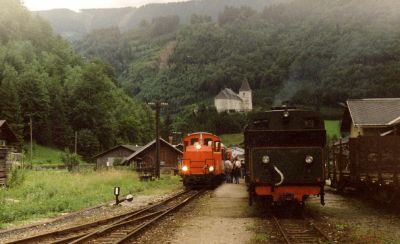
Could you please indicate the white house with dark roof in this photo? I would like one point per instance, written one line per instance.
(371, 117)
(228, 100)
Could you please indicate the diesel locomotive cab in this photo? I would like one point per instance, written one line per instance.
(285, 154)
(202, 163)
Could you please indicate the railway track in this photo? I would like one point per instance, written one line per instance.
(117, 229)
(299, 231)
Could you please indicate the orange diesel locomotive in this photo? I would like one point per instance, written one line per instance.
(203, 160)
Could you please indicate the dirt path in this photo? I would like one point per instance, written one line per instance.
(166, 53)
(223, 219)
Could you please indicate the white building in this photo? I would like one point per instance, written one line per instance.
(228, 100)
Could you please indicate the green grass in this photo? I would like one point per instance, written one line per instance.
(48, 193)
(43, 155)
(232, 139)
(260, 238)
(332, 128)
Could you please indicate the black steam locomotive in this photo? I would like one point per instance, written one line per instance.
(284, 150)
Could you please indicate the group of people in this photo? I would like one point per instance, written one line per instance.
(233, 170)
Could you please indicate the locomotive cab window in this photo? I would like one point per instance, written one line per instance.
(217, 146)
(194, 141)
(207, 141)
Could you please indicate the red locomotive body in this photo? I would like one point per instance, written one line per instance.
(203, 160)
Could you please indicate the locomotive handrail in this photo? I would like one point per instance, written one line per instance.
(280, 174)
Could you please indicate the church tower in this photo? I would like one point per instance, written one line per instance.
(246, 95)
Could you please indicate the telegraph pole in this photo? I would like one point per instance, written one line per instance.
(157, 105)
(31, 136)
(76, 142)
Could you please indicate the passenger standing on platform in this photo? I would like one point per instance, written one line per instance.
(242, 171)
(236, 170)
(228, 170)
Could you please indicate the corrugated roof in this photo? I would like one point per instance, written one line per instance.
(132, 147)
(228, 94)
(375, 111)
(147, 146)
(245, 86)
(129, 147)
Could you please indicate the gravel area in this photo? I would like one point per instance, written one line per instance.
(353, 219)
(80, 217)
(223, 216)
(219, 216)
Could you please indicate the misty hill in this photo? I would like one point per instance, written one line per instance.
(308, 51)
(74, 25)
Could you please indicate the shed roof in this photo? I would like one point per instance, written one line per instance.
(245, 86)
(6, 133)
(228, 94)
(129, 147)
(148, 145)
(374, 111)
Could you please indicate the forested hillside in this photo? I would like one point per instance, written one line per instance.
(42, 78)
(310, 52)
(74, 25)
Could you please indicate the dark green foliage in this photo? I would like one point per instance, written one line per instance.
(205, 118)
(43, 79)
(88, 143)
(310, 52)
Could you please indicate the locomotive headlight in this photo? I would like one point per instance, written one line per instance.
(185, 168)
(265, 159)
(211, 168)
(309, 159)
(198, 146)
(286, 114)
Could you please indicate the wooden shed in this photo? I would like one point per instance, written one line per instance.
(7, 138)
(146, 157)
(114, 155)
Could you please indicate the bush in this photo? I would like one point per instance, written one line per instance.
(70, 160)
(17, 177)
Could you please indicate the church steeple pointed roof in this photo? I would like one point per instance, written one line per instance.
(245, 86)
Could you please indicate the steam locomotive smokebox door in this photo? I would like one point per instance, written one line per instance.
(290, 162)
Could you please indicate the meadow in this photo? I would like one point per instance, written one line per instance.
(42, 194)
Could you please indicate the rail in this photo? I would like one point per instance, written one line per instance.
(299, 231)
(71, 234)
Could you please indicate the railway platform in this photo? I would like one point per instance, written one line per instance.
(221, 218)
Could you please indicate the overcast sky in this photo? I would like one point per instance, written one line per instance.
(82, 4)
